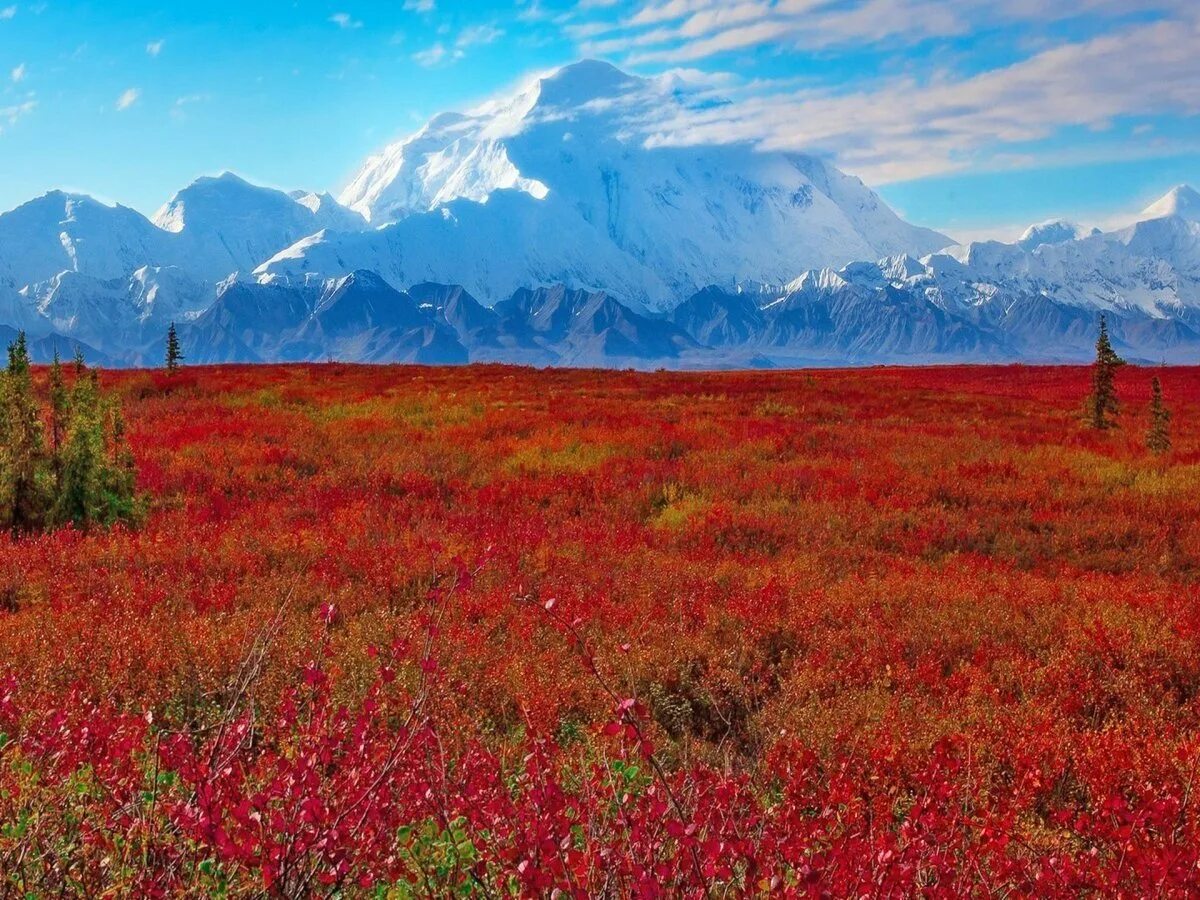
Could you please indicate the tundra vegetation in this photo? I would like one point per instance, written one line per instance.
(385, 632)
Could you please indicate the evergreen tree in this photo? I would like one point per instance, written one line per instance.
(174, 353)
(23, 475)
(120, 473)
(81, 491)
(1102, 406)
(59, 413)
(1158, 438)
(86, 475)
(98, 481)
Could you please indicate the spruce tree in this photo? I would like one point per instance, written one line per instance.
(80, 497)
(23, 475)
(1102, 406)
(174, 353)
(120, 474)
(1158, 438)
(59, 413)
(86, 475)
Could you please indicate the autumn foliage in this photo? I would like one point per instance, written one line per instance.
(491, 632)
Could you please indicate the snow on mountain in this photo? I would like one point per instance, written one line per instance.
(1182, 201)
(225, 224)
(328, 214)
(118, 313)
(168, 294)
(572, 157)
(1037, 300)
(62, 232)
(19, 311)
(210, 229)
(1151, 267)
(513, 241)
(1055, 231)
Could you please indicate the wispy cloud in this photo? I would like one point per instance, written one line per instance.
(420, 6)
(533, 11)
(477, 35)
(345, 21)
(18, 74)
(128, 99)
(900, 128)
(7, 12)
(155, 47)
(10, 115)
(434, 55)
(472, 36)
(180, 106)
(677, 31)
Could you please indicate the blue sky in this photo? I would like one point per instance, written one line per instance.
(976, 117)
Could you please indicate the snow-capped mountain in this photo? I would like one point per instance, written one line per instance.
(213, 227)
(117, 313)
(225, 224)
(61, 232)
(1037, 299)
(107, 275)
(553, 227)
(1151, 267)
(563, 182)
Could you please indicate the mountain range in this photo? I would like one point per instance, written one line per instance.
(555, 227)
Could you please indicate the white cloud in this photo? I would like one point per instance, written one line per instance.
(434, 55)
(18, 74)
(478, 34)
(7, 12)
(345, 21)
(155, 47)
(128, 99)
(420, 6)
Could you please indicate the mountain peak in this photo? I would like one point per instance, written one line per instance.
(1182, 200)
(224, 181)
(584, 81)
(227, 177)
(58, 198)
(1053, 231)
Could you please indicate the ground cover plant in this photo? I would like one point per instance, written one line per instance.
(390, 632)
